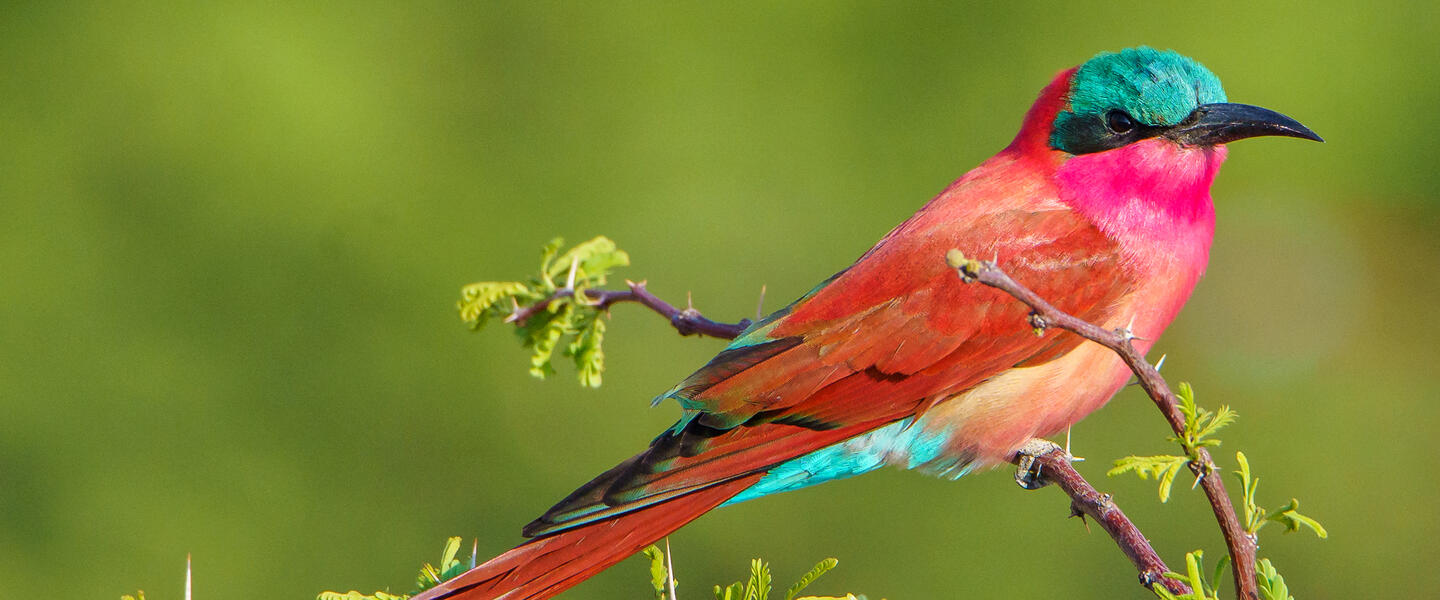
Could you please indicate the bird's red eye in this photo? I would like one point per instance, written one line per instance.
(1119, 122)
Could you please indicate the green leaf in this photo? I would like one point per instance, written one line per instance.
(1204, 424)
(1163, 467)
(736, 591)
(1290, 517)
(658, 574)
(481, 301)
(1193, 577)
(1192, 570)
(1216, 422)
(1271, 585)
(1186, 395)
(1256, 517)
(586, 349)
(758, 588)
(431, 576)
(450, 563)
(547, 255)
(1200, 424)
(1220, 569)
(543, 332)
(592, 259)
(351, 595)
(1248, 484)
(448, 560)
(820, 569)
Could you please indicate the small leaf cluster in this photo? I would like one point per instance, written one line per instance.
(450, 567)
(1194, 576)
(561, 285)
(1256, 517)
(430, 576)
(1269, 582)
(757, 587)
(660, 575)
(355, 595)
(1200, 427)
(1200, 424)
(1163, 467)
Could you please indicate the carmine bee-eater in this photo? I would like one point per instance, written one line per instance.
(1101, 205)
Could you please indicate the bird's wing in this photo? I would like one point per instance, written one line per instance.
(880, 341)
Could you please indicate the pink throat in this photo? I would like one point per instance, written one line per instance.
(1155, 193)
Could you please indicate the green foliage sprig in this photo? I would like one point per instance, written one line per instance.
(1194, 576)
(1272, 585)
(660, 575)
(1269, 582)
(430, 576)
(1256, 517)
(356, 595)
(1200, 428)
(552, 305)
(756, 587)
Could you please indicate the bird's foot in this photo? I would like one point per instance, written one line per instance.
(1028, 471)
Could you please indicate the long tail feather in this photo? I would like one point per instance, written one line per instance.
(546, 566)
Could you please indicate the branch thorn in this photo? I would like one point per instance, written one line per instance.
(1158, 364)
(514, 311)
(1128, 331)
(570, 279)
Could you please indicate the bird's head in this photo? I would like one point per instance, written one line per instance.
(1119, 98)
(1133, 140)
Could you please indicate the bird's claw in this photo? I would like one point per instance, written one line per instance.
(1028, 472)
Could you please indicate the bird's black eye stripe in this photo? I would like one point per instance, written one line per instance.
(1119, 121)
(1098, 132)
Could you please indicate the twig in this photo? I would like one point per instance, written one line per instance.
(1085, 500)
(1241, 545)
(688, 321)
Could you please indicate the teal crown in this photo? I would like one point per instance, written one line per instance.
(1154, 88)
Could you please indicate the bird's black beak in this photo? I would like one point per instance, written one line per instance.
(1212, 124)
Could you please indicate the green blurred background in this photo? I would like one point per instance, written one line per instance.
(232, 236)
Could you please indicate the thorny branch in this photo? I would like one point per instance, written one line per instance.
(1240, 544)
(1052, 464)
(687, 321)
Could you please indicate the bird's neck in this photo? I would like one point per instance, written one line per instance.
(1154, 194)
(1153, 199)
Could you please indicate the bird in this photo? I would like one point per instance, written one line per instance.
(1100, 204)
